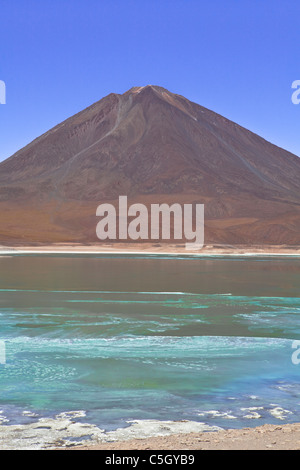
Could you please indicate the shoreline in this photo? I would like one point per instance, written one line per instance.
(151, 249)
(266, 437)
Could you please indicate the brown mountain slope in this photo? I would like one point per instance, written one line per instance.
(154, 146)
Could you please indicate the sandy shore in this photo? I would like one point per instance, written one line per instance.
(267, 437)
(148, 248)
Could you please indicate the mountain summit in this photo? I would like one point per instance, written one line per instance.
(153, 146)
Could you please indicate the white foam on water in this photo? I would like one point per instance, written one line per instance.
(3, 419)
(218, 414)
(187, 341)
(144, 428)
(47, 433)
(252, 415)
(71, 414)
(29, 414)
(252, 412)
(279, 412)
(64, 431)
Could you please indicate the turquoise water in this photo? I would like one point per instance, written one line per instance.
(150, 337)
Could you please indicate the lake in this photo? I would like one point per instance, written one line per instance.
(114, 339)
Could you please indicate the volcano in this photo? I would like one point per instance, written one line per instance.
(155, 147)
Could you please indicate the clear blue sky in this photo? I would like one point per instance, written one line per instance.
(238, 58)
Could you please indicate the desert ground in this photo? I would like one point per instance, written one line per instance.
(267, 437)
